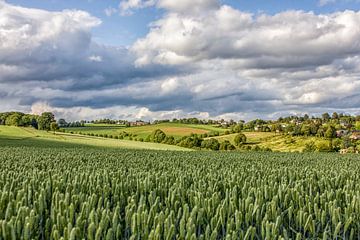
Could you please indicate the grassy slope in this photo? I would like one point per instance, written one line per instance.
(173, 129)
(10, 136)
(274, 141)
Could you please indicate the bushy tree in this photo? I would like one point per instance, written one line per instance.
(157, 136)
(54, 126)
(190, 141)
(240, 139)
(306, 130)
(325, 117)
(226, 146)
(330, 132)
(212, 144)
(14, 119)
(45, 120)
(324, 146)
(238, 128)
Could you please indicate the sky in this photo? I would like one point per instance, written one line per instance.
(157, 59)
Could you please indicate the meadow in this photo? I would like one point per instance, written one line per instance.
(14, 136)
(177, 130)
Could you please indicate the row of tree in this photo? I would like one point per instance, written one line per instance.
(195, 141)
(45, 121)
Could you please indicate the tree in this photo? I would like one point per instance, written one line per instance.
(240, 139)
(324, 146)
(14, 120)
(54, 126)
(357, 125)
(226, 146)
(320, 132)
(62, 122)
(212, 144)
(306, 130)
(45, 120)
(335, 115)
(330, 132)
(346, 143)
(336, 144)
(325, 117)
(157, 136)
(238, 128)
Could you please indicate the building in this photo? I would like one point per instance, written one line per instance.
(341, 133)
(355, 135)
(138, 123)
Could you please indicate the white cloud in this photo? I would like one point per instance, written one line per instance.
(110, 11)
(183, 6)
(188, 6)
(95, 58)
(127, 6)
(117, 112)
(288, 39)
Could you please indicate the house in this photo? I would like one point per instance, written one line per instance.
(138, 123)
(341, 133)
(296, 122)
(355, 135)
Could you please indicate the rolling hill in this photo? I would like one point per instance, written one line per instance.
(14, 136)
(276, 142)
(177, 130)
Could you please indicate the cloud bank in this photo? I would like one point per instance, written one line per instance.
(200, 59)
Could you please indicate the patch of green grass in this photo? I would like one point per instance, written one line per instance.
(176, 130)
(15, 136)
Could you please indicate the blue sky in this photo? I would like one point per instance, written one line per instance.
(156, 59)
(124, 30)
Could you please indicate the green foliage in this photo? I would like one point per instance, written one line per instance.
(310, 147)
(240, 139)
(212, 144)
(86, 193)
(54, 126)
(324, 146)
(330, 132)
(157, 136)
(226, 146)
(45, 120)
(14, 120)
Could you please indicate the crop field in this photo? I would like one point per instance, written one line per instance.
(14, 136)
(94, 193)
(173, 129)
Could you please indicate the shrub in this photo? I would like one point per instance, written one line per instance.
(240, 139)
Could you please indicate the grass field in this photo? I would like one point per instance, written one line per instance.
(106, 193)
(177, 130)
(14, 136)
(276, 142)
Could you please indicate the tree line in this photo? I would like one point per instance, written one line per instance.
(45, 121)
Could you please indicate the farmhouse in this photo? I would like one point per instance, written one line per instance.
(341, 133)
(355, 135)
(138, 123)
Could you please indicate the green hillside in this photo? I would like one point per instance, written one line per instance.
(14, 136)
(276, 142)
(176, 130)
